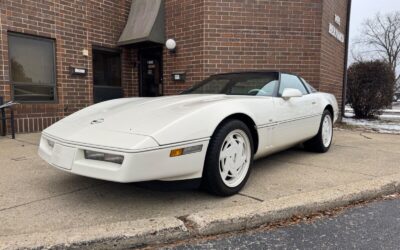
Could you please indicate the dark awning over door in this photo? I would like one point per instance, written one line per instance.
(145, 23)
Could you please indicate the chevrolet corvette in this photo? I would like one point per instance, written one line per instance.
(213, 131)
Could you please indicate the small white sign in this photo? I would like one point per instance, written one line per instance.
(338, 20)
(177, 77)
(336, 33)
(80, 71)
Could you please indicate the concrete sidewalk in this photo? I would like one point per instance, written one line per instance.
(36, 198)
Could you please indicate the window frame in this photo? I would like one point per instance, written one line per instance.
(310, 88)
(13, 83)
(280, 82)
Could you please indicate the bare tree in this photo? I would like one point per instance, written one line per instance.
(381, 39)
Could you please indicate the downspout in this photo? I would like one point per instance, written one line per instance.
(346, 55)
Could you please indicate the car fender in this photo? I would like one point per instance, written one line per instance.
(330, 100)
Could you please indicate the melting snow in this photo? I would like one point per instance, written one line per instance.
(385, 124)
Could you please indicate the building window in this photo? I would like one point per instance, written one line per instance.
(106, 75)
(32, 68)
(106, 68)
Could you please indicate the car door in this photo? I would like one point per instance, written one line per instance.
(293, 118)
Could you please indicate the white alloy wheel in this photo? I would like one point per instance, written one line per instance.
(327, 131)
(234, 158)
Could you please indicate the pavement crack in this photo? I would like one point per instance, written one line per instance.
(22, 158)
(346, 146)
(363, 148)
(366, 137)
(27, 142)
(251, 197)
(50, 197)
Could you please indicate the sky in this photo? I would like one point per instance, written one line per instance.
(363, 9)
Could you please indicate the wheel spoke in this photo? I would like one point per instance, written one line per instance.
(234, 173)
(241, 161)
(223, 155)
(224, 173)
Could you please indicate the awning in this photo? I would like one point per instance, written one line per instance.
(145, 23)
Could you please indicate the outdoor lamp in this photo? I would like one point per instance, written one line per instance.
(171, 45)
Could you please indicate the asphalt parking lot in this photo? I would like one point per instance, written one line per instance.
(35, 197)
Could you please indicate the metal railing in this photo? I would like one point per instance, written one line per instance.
(4, 118)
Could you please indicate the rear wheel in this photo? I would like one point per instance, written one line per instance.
(229, 158)
(323, 140)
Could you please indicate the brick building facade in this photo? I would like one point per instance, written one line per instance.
(212, 36)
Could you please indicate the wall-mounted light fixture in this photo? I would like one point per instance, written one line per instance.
(85, 52)
(171, 45)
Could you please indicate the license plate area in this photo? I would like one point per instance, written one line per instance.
(63, 156)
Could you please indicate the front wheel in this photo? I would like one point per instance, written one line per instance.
(229, 158)
(323, 140)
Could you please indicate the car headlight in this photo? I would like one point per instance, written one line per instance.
(98, 156)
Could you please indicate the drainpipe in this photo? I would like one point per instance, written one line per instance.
(346, 55)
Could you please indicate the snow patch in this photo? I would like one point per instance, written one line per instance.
(381, 125)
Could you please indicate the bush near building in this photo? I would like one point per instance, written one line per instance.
(370, 88)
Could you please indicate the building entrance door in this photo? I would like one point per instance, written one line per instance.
(150, 72)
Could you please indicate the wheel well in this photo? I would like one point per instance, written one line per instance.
(250, 124)
(330, 109)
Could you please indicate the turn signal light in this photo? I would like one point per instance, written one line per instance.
(176, 152)
(185, 151)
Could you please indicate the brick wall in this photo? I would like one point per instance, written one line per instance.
(243, 35)
(246, 35)
(75, 25)
(332, 50)
(185, 23)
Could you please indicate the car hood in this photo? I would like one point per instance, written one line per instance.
(135, 116)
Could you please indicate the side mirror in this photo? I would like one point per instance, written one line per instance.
(290, 93)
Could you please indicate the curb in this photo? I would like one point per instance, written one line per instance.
(138, 233)
(250, 216)
(116, 235)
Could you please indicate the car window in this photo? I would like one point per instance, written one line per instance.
(256, 87)
(291, 81)
(254, 84)
(309, 86)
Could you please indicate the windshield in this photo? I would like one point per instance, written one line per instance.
(254, 84)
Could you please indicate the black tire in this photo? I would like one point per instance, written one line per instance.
(316, 144)
(212, 180)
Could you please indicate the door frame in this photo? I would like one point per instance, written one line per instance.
(141, 54)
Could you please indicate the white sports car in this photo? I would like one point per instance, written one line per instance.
(212, 131)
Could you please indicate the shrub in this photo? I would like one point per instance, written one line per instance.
(370, 87)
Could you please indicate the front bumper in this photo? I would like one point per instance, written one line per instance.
(147, 165)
